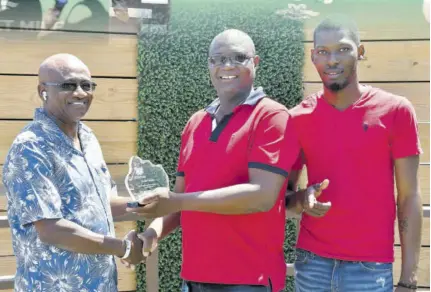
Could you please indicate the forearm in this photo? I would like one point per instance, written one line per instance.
(163, 226)
(237, 199)
(293, 192)
(118, 209)
(70, 236)
(292, 202)
(410, 229)
(118, 206)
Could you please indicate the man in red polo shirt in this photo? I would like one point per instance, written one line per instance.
(229, 193)
(357, 136)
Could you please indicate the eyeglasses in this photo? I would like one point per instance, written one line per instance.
(239, 59)
(87, 86)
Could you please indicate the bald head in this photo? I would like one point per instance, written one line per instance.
(235, 38)
(57, 67)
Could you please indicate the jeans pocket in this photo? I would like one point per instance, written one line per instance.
(301, 257)
(376, 267)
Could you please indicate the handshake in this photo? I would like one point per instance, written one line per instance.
(142, 245)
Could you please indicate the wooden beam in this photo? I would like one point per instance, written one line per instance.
(117, 139)
(104, 54)
(385, 61)
(418, 93)
(114, 99)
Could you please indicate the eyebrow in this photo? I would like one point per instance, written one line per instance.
(73, 79)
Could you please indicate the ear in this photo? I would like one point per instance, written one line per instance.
(256, 60)
(312, 55)
(361, 52)
(42, 92)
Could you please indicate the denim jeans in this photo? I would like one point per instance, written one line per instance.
(317, 274)
(203, 287)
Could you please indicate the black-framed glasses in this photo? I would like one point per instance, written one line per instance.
(238, 59)
(87, 86)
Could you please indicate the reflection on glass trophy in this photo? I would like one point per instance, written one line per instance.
(143, 177)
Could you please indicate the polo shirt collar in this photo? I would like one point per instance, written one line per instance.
(254, 97)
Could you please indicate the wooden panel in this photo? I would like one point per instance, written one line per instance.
(424, 266)
(114, 99)
(104, 54)
(118, 139)
(424, 132)
(118, 173)
(5, 243)
(121, 229)
(425, 240)
(376, 19)
(126, 277)
(424, 183)
(127, 281)
(417, 92)
(385, 61)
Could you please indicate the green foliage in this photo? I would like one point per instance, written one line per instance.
(174, 83)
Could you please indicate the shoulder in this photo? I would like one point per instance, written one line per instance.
(268, 107)
(195, 120)
(392, 103)
(267, 104)
(307, 106)
(32, 134)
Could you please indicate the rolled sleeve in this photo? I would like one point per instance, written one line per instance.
(180, 166)
(405, 134)
(27, 176)
(275, 145)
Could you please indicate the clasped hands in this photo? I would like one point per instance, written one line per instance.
(143, 244)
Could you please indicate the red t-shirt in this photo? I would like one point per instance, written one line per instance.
(236, 249)
(355, 149)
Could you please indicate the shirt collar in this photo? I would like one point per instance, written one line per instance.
(50, 127)
(254, 97)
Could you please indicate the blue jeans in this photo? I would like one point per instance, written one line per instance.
(317, 274)
(204, 287)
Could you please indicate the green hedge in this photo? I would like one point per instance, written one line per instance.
(174, 83)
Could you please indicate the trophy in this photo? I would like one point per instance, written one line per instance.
(143, 177)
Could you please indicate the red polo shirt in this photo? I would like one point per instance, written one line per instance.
(355, 149)
(236, 249)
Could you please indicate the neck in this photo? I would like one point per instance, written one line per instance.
(69, 128)
(344, 98)
(229, 102)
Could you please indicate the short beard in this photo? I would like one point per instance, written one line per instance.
(335, 87)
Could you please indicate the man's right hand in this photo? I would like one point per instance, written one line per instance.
(149, 241)
(135, 257)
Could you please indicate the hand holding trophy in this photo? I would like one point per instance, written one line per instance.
(143, 178)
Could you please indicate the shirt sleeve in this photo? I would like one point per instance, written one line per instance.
(405, 134)
(180, 166)
(275, 145)
(28, 178)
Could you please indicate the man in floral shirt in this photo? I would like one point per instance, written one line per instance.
(61, 198)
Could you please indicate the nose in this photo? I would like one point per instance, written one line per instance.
(333, 59)
(79, 92)
(228, 64)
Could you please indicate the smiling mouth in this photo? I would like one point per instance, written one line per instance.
(228, 77)
(334, 73)
(78, 103)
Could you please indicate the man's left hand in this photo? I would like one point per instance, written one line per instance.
(157, 204)
(307, 200)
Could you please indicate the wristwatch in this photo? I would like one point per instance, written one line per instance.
(128, 248)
